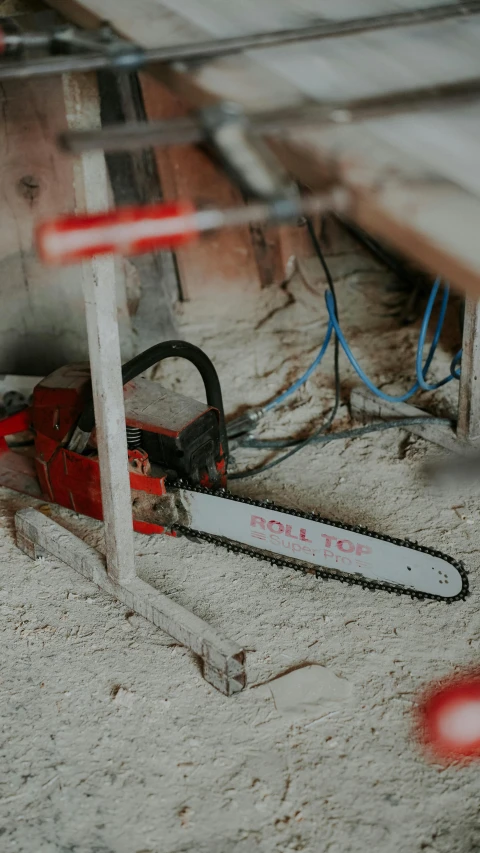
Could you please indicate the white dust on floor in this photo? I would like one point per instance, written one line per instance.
(111, 740)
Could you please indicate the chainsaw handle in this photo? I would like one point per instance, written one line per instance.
(157, 353)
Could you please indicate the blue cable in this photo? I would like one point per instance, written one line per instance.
(422, 371)
(377, 391)
(453, 365)
(306, 375)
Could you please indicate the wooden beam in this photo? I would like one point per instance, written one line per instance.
(222, 660)
(468, 427)
(104, 349)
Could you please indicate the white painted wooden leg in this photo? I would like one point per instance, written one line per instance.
(104, 350)
(222, 659)
(469, 394)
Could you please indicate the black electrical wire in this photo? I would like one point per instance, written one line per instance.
(355, 432)
(321, 258)
(316, 438)
(299, 445)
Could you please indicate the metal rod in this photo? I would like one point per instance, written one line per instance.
(135, 57)
(132, 135)
(447, 95)
(187, 130)
(283, 210)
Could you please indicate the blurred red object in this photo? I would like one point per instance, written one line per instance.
(449, 718)
(128, 230)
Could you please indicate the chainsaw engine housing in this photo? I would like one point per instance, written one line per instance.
(178, 433)
(180, 437)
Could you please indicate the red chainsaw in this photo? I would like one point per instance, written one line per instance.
(178, 458)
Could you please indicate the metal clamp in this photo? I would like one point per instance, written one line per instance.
(244, 155)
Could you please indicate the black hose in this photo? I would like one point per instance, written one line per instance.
(157, 353)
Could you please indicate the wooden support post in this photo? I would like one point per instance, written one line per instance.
(222, 659)
(104, 351)
(468, 427)
(105, 368)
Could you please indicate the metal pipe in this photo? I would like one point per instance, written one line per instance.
(135, 57)
(187, 130)
(132, 136)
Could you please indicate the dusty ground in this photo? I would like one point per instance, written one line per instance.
(111, 740)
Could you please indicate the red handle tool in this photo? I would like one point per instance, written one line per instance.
(128, 230)
(449, 718)
(133, 230)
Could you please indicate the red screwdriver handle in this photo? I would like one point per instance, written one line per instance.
(448, 718)
(127, 230)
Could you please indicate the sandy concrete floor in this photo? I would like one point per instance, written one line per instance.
(111, 740)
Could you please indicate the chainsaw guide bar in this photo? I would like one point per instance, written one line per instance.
(433, 568)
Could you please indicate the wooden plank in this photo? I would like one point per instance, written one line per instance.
(425, 217)
(222, 659)
(366, 406)
(104, 348)
(468, 427)
(292, 75)
(392, 60)
(221, 263)
(191, 19)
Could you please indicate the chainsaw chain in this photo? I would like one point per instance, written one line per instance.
(308, 569)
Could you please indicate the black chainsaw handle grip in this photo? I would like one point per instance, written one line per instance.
(157, 353)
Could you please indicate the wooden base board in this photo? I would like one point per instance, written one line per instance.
(222, 660)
